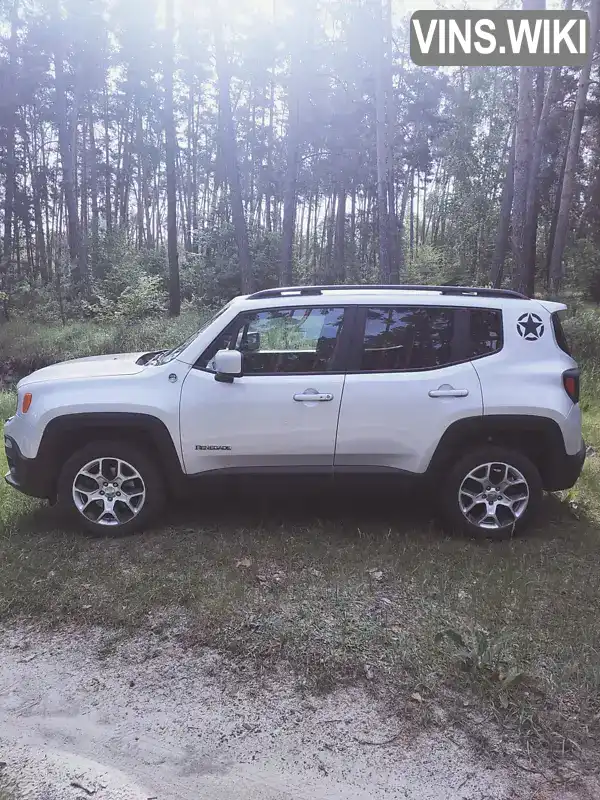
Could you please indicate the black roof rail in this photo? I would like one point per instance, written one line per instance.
(308, 291)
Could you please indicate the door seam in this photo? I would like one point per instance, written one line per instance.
(337, 427)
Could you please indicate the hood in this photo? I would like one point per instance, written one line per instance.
(92, 367)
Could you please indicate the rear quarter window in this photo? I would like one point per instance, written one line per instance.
(559, 333)
(485, 332)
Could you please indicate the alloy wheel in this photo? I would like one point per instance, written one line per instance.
(109, 491)
(493, 495)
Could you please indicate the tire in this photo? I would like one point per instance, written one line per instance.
(136, 496)
(474, 520)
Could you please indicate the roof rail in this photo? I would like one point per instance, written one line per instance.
(445, 290)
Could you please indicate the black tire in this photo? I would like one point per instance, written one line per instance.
(452, 515)
(140, 460)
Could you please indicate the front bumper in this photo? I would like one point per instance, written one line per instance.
(564, 470)
(28, 475)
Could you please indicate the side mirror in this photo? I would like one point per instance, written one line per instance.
(228, 365)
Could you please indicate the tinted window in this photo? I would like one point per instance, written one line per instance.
(407, 338)
(283, 340)
(559, 333)
(485, 331)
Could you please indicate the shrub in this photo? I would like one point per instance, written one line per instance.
(583, 332)
(25, 347)
(431, 266)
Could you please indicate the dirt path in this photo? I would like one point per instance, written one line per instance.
(81, 717)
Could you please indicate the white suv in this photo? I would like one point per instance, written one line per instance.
(471, 389)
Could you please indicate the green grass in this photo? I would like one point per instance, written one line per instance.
(343, 587)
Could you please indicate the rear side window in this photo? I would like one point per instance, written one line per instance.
(407, 338)
(559, 333)
(485, 332)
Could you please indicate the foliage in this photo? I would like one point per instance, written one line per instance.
(582, 328)
(25, 347)
(215, 278)
(484, 657)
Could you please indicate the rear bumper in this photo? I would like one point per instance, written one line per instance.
(28, 475)
(564, 470)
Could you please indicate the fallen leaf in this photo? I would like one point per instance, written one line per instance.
(416, 697)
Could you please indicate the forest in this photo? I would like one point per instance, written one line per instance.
(160, 155)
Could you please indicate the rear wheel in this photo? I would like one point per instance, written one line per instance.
(492, 492)
(111, 487)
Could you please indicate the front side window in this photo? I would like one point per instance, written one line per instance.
(290, 340)
(407, 338)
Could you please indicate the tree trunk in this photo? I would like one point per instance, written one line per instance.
(412, 214)
(93, 164)
(37, 186)
(291, 178)
(67, 157)
(568, 185)
(385, 264)
(170, 158)
(554, 215)
(107, 202)
(139, 146)
(522, 278)
(84, 189)
(232, 165)
(340, 238)
(506, 200)
(11, 125)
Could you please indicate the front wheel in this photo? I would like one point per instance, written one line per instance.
(492, 492)
(111, 487)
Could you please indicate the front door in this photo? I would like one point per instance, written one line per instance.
(283, 413)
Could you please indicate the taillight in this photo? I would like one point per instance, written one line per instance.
(571, 383)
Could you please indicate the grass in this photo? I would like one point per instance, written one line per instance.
(345, 587)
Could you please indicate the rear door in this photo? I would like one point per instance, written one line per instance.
(410, 379)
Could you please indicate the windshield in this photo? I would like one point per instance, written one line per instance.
(169, 355)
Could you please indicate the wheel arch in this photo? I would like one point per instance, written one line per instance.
(66, 434)
(538, 438)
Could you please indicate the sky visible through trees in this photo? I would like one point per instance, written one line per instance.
(172, 151)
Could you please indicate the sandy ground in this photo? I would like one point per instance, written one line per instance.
(80, 718)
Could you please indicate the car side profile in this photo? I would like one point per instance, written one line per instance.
(473, 389)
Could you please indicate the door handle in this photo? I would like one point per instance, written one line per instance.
(309, 397)
(448, 393)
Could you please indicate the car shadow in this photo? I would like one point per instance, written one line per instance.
(369, 504)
